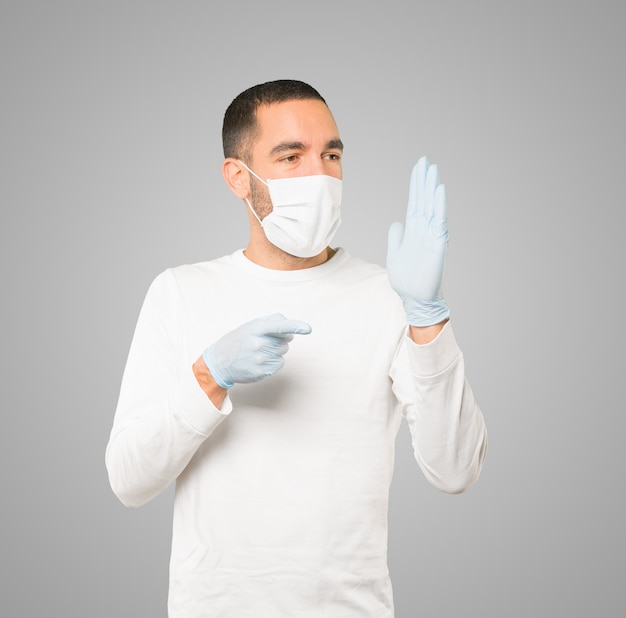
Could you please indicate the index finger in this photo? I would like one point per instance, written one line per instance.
(417, 188)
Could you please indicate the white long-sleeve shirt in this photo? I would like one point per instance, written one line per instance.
(282, 494)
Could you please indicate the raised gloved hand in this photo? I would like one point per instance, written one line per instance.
(252, 351)
(417, 249)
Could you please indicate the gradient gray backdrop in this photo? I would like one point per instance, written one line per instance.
(110, 146)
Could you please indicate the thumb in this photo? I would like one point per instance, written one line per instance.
(394, 237)
(297, 327)
(287, 327)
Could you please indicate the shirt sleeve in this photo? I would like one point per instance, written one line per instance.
(162, 415)
(447, 427)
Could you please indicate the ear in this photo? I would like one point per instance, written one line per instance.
(237, 177)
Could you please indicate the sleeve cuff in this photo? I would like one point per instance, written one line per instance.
(193, 406)
(435, 357)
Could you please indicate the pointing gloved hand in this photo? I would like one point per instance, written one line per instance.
(252, 351)
(417, 249)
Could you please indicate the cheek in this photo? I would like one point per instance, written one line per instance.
(260, 198)
(333, 168)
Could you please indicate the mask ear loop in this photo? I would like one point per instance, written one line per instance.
(246, 199)
(255, 175)
(253, 211)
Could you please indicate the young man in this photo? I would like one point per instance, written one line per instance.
(283, 462)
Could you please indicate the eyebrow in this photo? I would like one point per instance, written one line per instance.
(335, 143)
(286, 146)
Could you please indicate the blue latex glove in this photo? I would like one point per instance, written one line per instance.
(417, 249)
(252, 351)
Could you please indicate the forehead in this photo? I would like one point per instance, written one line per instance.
(308, 121)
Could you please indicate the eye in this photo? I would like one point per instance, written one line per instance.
(333, 156)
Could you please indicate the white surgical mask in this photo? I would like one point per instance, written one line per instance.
(306, 213)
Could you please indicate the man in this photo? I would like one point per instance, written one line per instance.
(283, 463)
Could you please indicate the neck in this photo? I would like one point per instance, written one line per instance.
(274, 258)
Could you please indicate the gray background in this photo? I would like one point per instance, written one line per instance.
(110, 146)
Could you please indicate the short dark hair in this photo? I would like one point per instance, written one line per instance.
(240, 120)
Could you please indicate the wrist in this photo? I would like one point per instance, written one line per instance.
(425, 334)
(213, 390)
(209, 361)
(423, 313)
